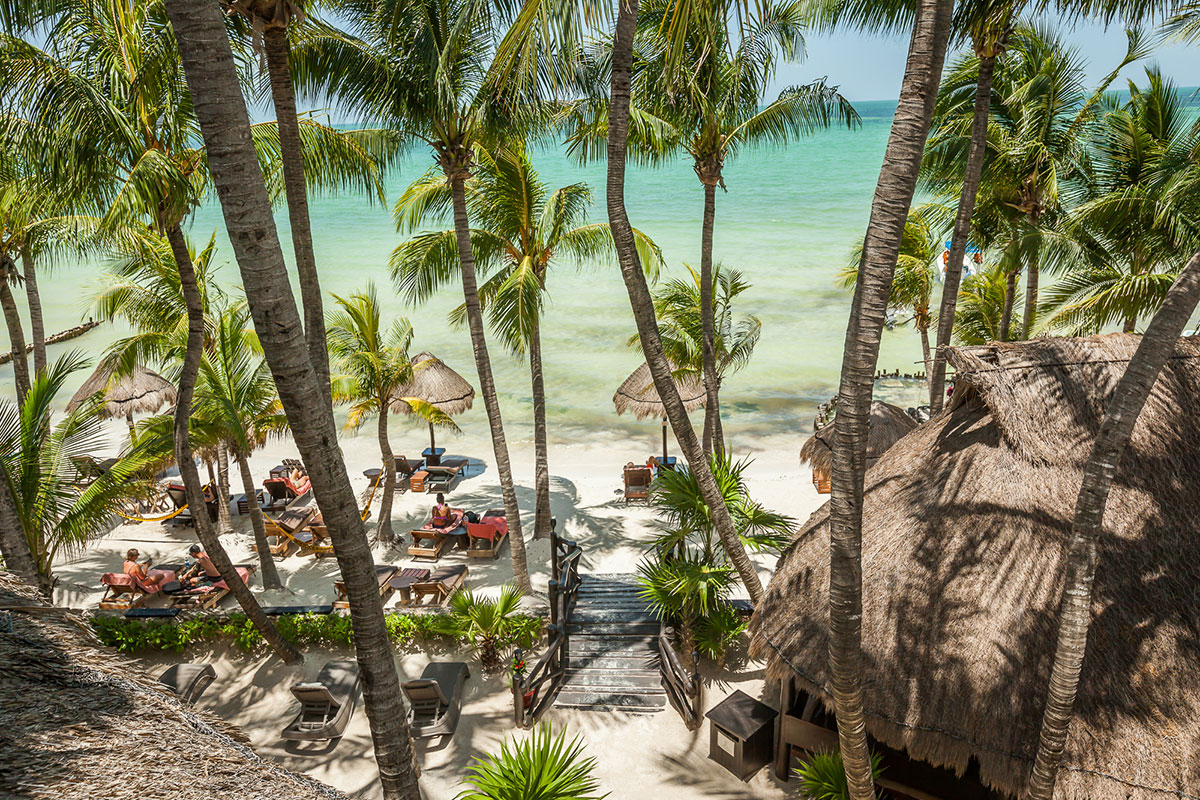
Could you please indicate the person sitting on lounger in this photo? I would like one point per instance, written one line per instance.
(140, 570)
(202, 571)
(442, 515)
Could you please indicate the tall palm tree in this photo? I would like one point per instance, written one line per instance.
(912, 283)
(225, 124)
(520, 230)
(237, 397)
(701, 94)
(373, 362)
(640, 300)
(981, 302)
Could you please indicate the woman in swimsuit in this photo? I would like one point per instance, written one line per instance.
(140, 570)
(442, 516)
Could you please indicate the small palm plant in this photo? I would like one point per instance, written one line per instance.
(544, 766)
(491, 624)
(686, 590)
(823, 777)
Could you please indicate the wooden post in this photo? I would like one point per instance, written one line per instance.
(555, 547)
(783, 750)
(518, 688)
(554, 590)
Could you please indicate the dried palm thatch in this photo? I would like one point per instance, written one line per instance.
(80, 723)
(638, 394)
(888, 424)
(140, 391)
(436, 384)
(965, 522)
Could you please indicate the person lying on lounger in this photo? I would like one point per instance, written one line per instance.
(201, 571)
(140, 570)
(298, 482)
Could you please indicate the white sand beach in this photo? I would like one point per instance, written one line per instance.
(637, 754)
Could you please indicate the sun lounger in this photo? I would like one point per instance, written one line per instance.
(288, 530)
(637, 483)
(431, 542)
(488, 534)
(442, 477)
(277, 494)
(326, 704)
(209, 595)
(403, 581)
(188, 681)
(406, 468)
(383, 575)
(123, 591)
(442, 583)
(435, 700)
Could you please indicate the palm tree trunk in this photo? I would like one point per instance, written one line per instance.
(384, 529)
(1075, 613)
(283, 96)
(487, 386)
(881, 247)
(18, 557)
(16, 336)
(643, 305)
(187, 467)
(962, 228)
(224, 521)
(712, 407)
(1130, 325)
(270, 575)
(541, 455)
(225, 125)
(1031, 296)
(1010, 293)
(927, 359)
(132, 428)
(37, 326)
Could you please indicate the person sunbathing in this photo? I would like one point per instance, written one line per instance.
(442, 515)
(201, 571)
(140, 570)
(298, 482)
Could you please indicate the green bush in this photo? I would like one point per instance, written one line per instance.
(322, 630)
(823, 777)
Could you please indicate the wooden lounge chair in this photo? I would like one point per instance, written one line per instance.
(209, 595)
(431, 542)
(123, 592)
(188, 681)
(442, 583)
(442, 477)
(383, 574)
(277, 493)
(488, 534)
(406, 468)
(288, 531)
(326, 704)
(435, 700)
(403, 581)
(637, 483)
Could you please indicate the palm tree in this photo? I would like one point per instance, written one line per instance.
(488, 623)
(625, 241)
(520, 230)
(225, 125)
(703, 98)
(981, 303)
(237, 396)
(1135, 213)
(544, 765)
(373, 363)
(681, 321)
(59, 508)
(916, 273)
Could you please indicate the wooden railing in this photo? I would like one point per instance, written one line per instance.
(534, 690)
(684, 688)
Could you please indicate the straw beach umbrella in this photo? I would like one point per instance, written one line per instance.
(438, 385)
(638, 395)
(888, 424)
(140, 391)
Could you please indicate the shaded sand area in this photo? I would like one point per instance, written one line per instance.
(637, 755)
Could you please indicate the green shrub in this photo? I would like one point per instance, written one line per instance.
(543, 766)
(823, 777)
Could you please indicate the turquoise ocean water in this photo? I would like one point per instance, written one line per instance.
(789, 221)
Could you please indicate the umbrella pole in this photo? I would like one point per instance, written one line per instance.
(432, 444)
(664, 463)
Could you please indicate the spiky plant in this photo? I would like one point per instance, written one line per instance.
(544, 766)
(823, 777)
(490, 624)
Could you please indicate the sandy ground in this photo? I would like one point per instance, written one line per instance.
(637, 755)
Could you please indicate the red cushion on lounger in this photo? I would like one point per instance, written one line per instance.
(480, 530)
(241, 571)
(117, 579)
(498, 522)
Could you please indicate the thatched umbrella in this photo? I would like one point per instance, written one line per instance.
(888, 424)
(82, 722)
(139, 391)
(438, 385)
(965, 528)
(638, 395)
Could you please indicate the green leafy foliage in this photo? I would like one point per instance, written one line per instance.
(490, 624)
(544, 766)
(823, 776)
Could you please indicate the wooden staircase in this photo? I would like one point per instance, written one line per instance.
(613, 660)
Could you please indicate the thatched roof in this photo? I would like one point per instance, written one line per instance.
(138, 392)
(965, 521)
(437, 384)
(80, 723)
(888, 424)
(638, 394)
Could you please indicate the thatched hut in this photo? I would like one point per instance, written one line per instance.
(139, 391)
(965, 524)
(638, 395)
(888, 424)
(438, 385)
(80, 723)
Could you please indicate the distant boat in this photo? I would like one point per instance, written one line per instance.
(972, 261)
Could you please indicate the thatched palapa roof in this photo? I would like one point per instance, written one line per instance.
(138, 392)
(437, 384)
(639, 395)
(964, 528)
(888, 424)
(78, 723)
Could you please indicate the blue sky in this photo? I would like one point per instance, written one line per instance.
(870, 67)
